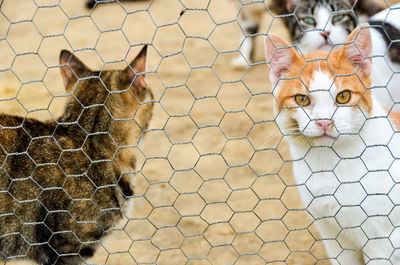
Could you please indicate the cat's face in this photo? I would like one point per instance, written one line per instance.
(318, 25)
(312, 100)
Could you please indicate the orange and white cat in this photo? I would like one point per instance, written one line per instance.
(343, 145)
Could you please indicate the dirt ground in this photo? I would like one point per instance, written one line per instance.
(213, 186)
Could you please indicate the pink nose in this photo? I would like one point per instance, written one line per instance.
(325, 125)
(324, 34)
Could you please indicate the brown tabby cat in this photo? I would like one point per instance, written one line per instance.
(65, 183)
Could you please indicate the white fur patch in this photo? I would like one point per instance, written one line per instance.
(384, 82)
(322, 81)
(390, 15)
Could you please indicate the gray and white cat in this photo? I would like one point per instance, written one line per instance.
(312, 24)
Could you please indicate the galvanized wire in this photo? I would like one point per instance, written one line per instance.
(218, 195)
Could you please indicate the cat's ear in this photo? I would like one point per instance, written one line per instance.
(367, 7)
(135, 71)
(291, 5)
(279, 55)
(351, 2)
(71, 67)
(358, 48)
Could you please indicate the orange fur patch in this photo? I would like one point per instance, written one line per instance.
(395, 119)
(336, 64)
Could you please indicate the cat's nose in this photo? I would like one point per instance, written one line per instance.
(325, 34)
(325, 125)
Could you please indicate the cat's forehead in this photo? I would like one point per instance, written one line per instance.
(317, 74)
(322, 14)
(321, 81)
(311, 6)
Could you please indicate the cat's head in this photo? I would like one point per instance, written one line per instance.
(323, 95)
(320, 24)
(121, 92)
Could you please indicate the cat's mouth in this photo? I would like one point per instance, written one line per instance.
(324, 139)
(326, 46)
(325, 136)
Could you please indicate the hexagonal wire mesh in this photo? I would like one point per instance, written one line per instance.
(214, 181)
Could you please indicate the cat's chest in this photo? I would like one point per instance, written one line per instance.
(347, 163)
(369, 171)
(349, 191)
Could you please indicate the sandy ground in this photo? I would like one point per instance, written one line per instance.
(213, 187)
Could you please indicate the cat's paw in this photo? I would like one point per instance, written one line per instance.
(239, 63)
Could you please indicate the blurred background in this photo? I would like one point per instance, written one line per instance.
(213, 187)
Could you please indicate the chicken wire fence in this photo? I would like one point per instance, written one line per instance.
(214, 181)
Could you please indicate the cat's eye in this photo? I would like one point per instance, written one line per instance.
(337, 18)
(309, 20)
(343, 97)
(302, 100)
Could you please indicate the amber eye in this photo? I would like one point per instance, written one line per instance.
(343, 97)
(302, 100)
